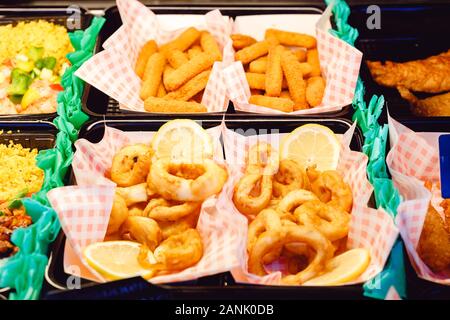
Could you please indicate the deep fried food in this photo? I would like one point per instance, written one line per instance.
(137, 209)
(312, 57)
(146, 52)
(290, 176)
(240, 41)
(152, 104)
(436, 106)
(209, 180)
(131, 165)
(332, 222)
(331, 188)
(180, 251)
(182, 42)
(258, 66)
(292, 38)
(430, 75)
(262, 159)
(176, 58)
(300, 55)
(152, 75)
(256, 80)
(134, 194)
(164, 210)
(269, 241)
(193, 51)
(141, 229)
(252, 52)
(266, 220)
(253, 193)
(161, 91)
(189, 70)
(119, 213)
(274, 72)
(294, 77)
(190, 88)
(294, 199)
(210, 45)
(170, 228)
(315, 90)
(281, 104)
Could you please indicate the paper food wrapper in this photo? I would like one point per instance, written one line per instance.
(413, 159)
(112, 70)
(369, 228)
(340, 62)
(84, 210)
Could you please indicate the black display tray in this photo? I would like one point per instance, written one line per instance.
(221, 286)
(408, 32)
(65, 16)
(98, 104)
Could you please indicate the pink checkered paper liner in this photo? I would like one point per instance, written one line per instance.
(112, 70)
(413, 159)
(91, 162)
(370, 228)
(340, 63)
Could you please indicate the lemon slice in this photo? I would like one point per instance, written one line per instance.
(312, 144)
(182, 140)
(343, 268)
(115, 259)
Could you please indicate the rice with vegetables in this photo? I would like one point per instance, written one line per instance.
(32, 60)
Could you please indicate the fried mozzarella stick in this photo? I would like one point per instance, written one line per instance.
(190, 88)
(300, 54)
(152, 76)
(253, 52)
(294, 77)
(187, 71)
(193, 51)
(146, 52)
(260, 66)
(256, 80)
(168, 70)
(312, 57)
(163, 105)
(292, 38)
(240, 41)
(182, 42)
(176, 58)
(161, 91)
(274, 72)
(210, 45)
(315, 88)
(281, 104)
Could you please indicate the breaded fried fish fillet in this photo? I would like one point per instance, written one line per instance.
(436, 106)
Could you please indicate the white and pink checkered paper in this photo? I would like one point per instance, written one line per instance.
(84, 209)
(369, 228)
(339, 61)
(413, 159)
(112, 70)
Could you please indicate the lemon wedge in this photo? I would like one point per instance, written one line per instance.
(182, 140)
(116, 259)
(343, 268)
(312, 144)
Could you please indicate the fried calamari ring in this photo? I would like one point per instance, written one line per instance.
(253, 193)
(131, 165)
(332, 222)
(143, 230)
(163, 210)
(295, 199)
(262, 159)
(134, 194)
(180, 251)
(268, 242)
(331, 188)
(266, 220)
(290, 176)
(207, 180)
(119, 213)
(318, 242)
(171, 228)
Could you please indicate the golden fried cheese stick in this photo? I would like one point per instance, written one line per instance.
(210, 45)
(253, 51)
(292, 38)
(274, 72)
(176, 58)
(161, 91)
(285, 94)
(163, 105)
(258, 66)
(312, 57)
(182, 42)
(152, 75)
(281, 104)
(193, 51)
(167, 71)
(300, 54)
(294, 77)
(315, 88)
(256, 80)
(187, 71)
(190, 88)
(240, 41)
(146, 52)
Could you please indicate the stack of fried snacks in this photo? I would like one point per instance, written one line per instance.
(175, 75)
(158, 202)
(283, 70)
(300, 215)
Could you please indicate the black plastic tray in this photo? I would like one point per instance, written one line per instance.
(220, 286)
(56, 15)
(407, 32)
(98, 104)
